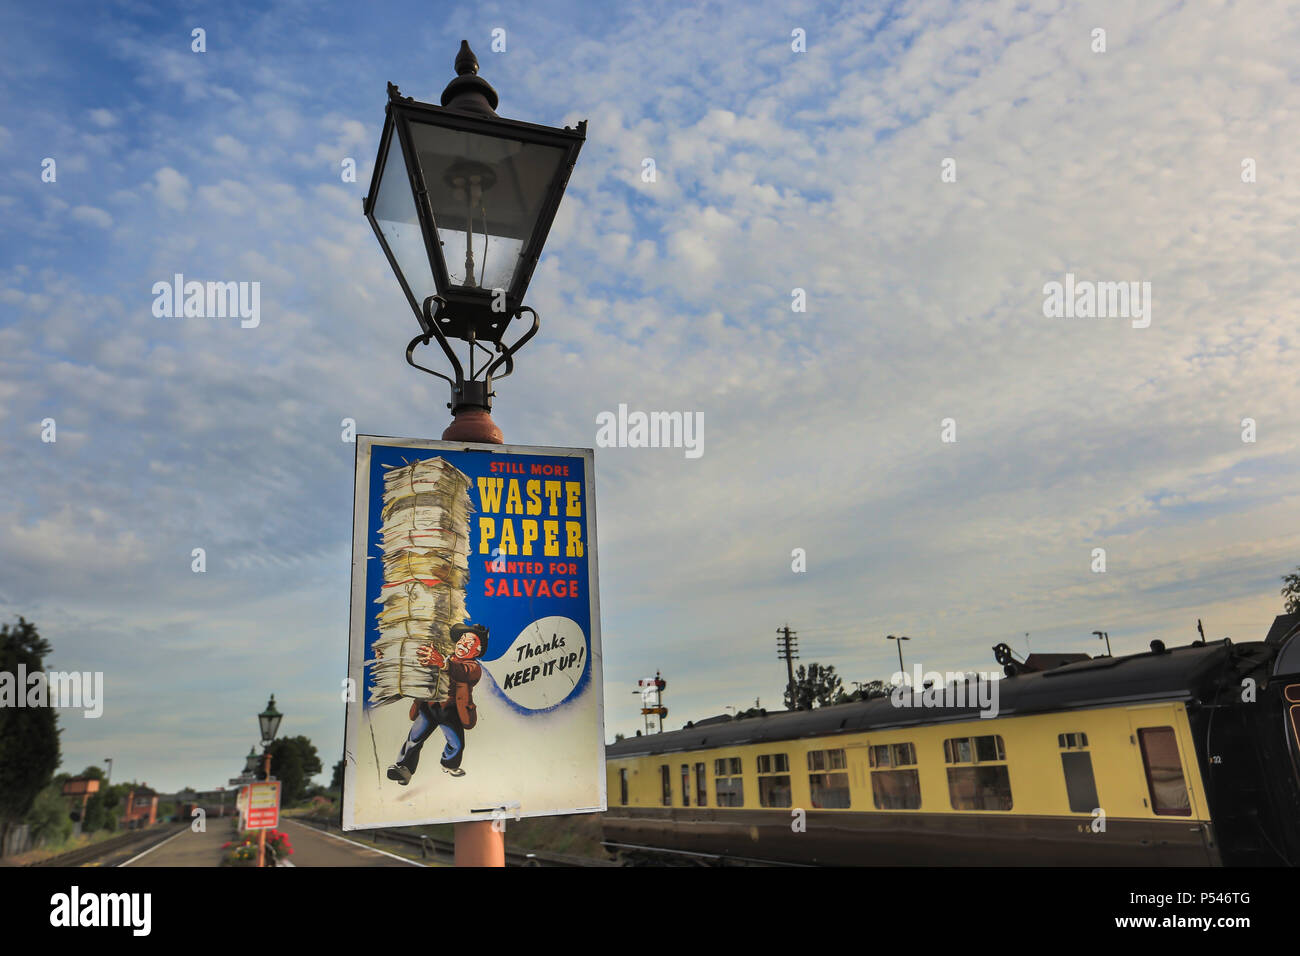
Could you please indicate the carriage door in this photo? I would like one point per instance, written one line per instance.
(1165, 762)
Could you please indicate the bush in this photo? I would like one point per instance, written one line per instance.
(242, 851)
(49, 818)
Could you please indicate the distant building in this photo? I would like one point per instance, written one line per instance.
(141, 808)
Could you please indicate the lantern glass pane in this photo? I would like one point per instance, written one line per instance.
(486, 194)
(395, 214)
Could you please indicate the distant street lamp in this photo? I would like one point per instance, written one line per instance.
(1106, 635)
(461, 201)
(891, 637)
(268, 722)
(108, 777)
(250, 764)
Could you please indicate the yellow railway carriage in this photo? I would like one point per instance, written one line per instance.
(1189, 756)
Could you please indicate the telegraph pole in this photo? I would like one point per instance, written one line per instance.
(787, 649)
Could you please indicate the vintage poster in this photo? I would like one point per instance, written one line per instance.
(474, 653)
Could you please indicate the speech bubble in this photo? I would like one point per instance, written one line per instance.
(544, 664)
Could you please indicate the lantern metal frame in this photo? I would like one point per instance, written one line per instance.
(474, 315)
(268, 722)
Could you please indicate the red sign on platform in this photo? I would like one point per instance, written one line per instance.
(263, 806)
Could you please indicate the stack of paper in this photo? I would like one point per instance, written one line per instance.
(425, 543)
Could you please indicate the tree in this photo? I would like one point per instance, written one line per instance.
(336, 778)
(293, 762)
(870, 690)
(1291, 591)
(29, 736)
(104, 806)
(814, 685)
(100, 813)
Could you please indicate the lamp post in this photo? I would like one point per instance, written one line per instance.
(108, 777)
(461, 201)
(1100, 635)
(891, 637)
(250, 762)
(459, 177)
(268, 722)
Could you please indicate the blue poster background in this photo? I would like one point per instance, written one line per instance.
(504, 616)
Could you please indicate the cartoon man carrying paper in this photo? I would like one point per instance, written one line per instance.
(455, 714)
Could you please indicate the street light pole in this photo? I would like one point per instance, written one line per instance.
(900, 640)
(478, 842)
(460, 169)
(268, 721)
(1104, 635)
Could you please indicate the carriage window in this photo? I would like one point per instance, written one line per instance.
(974, 749)
(891, 755)
(1288, 659)
(622, 786)
(1292, 694)
(898, 788)
(827, 760)
(1076, 763)
(774, 780)
(830, 791)
(686, 785)
(701, 787)
(1169, 795)
(730, 791)
(665, 777)
(773, 763)
(984, 786)
(728, 784)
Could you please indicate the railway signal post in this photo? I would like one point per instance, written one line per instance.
(652, 702)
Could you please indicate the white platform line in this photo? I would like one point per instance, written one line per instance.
(363, 846)
(154, 847)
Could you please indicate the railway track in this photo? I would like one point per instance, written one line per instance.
(124, 845)
(444, 851)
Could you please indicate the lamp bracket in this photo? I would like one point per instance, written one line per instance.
(474, 390)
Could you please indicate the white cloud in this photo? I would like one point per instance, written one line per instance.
(818, 170)
(92, 216)
(171, 188)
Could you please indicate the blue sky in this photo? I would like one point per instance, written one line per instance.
(776, 170)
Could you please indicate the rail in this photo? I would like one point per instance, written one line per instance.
(444, 851)
(131, 840)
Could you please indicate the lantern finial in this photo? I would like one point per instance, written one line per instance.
(466, 61)
(469, 92)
